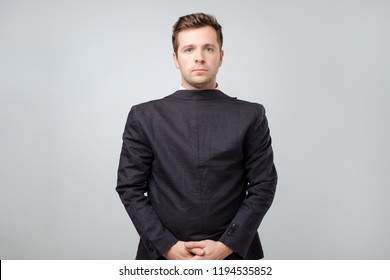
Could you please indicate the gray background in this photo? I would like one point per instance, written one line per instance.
(71, 70)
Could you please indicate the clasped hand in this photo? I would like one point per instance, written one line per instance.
(198, 250)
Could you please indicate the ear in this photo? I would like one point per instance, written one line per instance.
(222, 53)
(175, 59)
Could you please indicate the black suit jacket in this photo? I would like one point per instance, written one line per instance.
(197, 165)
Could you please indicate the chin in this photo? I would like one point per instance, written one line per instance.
(201, 82)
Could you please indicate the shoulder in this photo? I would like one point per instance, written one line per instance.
(251, 109)
(145, 108)
(251, 106)
(243, 103)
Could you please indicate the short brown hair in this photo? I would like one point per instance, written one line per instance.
(195, 21)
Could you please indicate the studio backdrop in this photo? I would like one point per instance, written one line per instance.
(71, 70)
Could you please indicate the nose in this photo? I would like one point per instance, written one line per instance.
(199, 58)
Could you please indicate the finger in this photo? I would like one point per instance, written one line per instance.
(197, 251)
(194, 244)
(196, 257)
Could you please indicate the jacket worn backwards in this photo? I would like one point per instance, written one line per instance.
(197, 165)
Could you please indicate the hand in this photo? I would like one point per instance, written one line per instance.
(180, 252)
(213, 250)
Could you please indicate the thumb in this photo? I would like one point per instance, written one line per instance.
(196, 251)
(195, 247)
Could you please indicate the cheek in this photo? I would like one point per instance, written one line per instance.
(181, 63)
(215, 59)
(186, 62)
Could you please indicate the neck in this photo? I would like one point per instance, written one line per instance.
(186, 86)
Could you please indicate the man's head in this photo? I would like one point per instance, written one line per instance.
(195, 21)
(197, 42)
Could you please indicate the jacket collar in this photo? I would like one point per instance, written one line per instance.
(198, 94)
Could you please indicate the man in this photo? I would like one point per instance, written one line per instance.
(196, 172)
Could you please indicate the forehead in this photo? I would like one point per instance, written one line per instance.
(198, 36)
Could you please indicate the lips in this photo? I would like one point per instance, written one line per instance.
(199, 70)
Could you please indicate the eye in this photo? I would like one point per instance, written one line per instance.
(209, 49)
(188, 50)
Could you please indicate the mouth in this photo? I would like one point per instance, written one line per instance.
(199, 70)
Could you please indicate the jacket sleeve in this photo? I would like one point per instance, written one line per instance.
(132, 185)
(262, 178)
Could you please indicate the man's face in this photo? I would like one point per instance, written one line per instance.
(198, 57)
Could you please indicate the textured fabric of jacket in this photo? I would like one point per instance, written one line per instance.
(197, 165)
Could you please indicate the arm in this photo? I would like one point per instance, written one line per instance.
(262, 178)
(133, 174)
